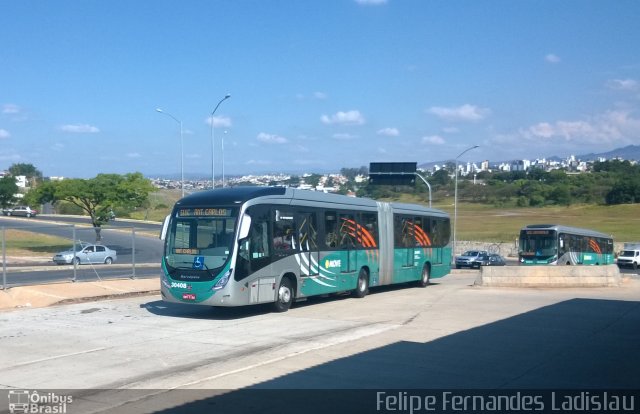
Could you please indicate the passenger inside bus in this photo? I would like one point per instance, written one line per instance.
(282, 241)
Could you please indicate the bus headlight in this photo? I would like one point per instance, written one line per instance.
(223, 281)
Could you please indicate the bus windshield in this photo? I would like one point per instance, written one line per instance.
(201, 238)
(538, 243)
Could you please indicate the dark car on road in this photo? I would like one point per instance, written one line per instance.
(495, 260)
(24, 211)
(475, 259)
(472, 259)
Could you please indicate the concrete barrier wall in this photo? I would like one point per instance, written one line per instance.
(549, 276)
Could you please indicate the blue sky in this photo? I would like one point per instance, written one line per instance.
(316, 85)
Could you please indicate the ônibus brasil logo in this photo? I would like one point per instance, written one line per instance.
(29, 402)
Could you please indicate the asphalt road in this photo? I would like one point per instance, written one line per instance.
(135, 242)
(140, 355)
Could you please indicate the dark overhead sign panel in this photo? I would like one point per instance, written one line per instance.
(392, 173)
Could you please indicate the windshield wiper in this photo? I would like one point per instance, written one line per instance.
(191, 264)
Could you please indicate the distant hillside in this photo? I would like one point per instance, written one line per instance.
(630, 152)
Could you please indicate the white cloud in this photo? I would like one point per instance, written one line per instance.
(4, 134)
(611, 127)
(301, 148)
(370, 2)
(271, 138)
(623, 84)
(389, 132)
(219, 121)
(320, 96)
(10, 109)
(80, 129)
(466, 112)
(344, 136)
(133, 155)
(352, 117)
(552, 58)
(451, 130)
(258, 162)
(433, 139)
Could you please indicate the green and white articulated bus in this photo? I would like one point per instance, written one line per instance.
(250, 245)
(553, 244)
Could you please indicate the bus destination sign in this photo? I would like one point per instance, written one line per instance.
(204, 212)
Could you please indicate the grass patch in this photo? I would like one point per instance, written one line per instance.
(25, 243)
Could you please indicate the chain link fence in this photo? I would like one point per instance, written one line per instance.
(28, 254)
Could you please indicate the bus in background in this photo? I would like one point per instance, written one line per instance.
(250, 245)
(553, 244)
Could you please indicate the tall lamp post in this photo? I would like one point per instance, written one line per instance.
(213, 153)
(455, 202)
(181, 148)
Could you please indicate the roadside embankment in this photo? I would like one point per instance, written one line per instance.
(549, 276)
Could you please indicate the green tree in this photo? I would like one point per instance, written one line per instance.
(313, 180)
(294, 180)
(624, 192)
(8, 188)
(561, 194)
(33, 175)
(440, 178)
(98, 196)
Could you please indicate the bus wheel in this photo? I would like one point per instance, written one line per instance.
(362, 288)
(426, 276)
(284, 297)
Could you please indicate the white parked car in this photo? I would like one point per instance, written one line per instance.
(86, 253)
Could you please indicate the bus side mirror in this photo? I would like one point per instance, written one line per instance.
(165, 227)
(561, 243)
(245, 224)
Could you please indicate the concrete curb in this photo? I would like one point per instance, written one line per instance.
(36, 296)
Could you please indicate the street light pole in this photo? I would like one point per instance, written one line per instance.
(455, 202)
(213, 153)
(181, 148)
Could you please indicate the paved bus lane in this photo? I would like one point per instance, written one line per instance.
(141, 355)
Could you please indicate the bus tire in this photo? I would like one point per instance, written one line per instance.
(284, 295)
(362, 288)
(426, 276)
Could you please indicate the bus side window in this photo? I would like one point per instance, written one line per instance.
(331, 229)
(348, 231)
(283, 230)
(370, 229)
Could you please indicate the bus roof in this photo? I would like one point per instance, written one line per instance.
(567, 229)
(240, 195)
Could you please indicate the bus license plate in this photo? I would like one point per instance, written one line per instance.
(188, 296)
